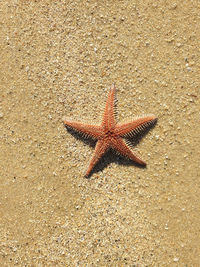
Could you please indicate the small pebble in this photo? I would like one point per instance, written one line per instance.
(176, 259)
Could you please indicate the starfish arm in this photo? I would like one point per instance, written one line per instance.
(134, 127)
(86, 130)
(120, 145)
(109, 112)
(100, 149)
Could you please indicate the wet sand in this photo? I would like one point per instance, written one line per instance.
(59, 59)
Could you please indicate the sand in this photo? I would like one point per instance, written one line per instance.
(59, 59)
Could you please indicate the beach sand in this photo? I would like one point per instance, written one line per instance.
(59, 59)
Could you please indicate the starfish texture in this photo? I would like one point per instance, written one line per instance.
(109, 134)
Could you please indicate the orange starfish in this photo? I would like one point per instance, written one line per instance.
(110, 134)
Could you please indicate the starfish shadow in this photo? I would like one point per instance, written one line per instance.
(111, 155)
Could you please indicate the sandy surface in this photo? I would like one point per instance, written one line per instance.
(59, 58)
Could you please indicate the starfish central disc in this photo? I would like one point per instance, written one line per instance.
(109, 133)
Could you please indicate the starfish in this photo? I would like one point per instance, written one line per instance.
(109, 134)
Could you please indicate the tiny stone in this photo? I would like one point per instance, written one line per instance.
(1, 114)
(179, 45)
(176, 259)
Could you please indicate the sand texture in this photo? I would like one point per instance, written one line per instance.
(58, 59)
